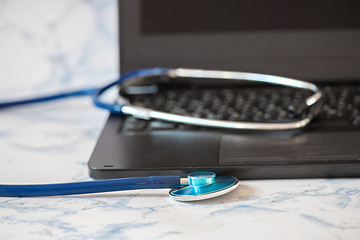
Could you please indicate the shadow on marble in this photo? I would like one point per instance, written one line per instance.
(242, 193)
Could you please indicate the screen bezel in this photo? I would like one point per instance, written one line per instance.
(316, 55)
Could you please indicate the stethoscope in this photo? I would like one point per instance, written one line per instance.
(124, 107)
(198, 185)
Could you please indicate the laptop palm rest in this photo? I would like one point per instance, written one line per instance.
(299, 154)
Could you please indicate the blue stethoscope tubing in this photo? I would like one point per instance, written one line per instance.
(198, 186)
(193, 191)
(98, 186)
(115, 108)
(94, 92)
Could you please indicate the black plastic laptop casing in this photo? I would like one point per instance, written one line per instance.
(319, 51)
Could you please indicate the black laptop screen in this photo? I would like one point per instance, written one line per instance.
(316, 40)
(206, 16)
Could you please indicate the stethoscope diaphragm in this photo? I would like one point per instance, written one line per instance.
(204, 185)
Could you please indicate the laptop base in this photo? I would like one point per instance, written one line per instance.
(307, 153)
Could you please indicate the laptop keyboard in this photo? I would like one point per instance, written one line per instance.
(339, 104)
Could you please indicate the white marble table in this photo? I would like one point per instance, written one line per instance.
(47, 46)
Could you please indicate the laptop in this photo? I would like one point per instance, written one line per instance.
(316, 41)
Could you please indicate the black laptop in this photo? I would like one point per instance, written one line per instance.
(317, 41)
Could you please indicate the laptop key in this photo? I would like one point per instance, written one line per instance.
(356, 121)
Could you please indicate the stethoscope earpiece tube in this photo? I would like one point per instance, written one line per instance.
(148, 113)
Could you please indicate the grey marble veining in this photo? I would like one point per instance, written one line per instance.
(52, 45)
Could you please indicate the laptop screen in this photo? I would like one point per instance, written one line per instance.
(204, 16)
(311, 40)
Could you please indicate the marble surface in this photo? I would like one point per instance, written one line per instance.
(52, 45)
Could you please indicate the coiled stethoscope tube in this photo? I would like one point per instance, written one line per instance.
(146, 113)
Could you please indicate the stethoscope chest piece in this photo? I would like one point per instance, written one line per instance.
(204, 185)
